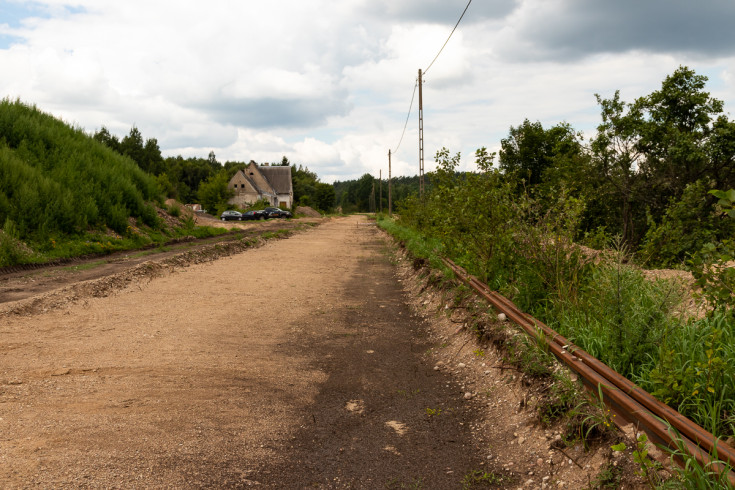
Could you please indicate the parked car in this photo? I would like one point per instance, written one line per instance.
(277, 213)
(253, 215)
(230, 216)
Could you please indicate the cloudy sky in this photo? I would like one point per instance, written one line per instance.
(328, 83)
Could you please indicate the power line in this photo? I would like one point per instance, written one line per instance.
(407, 117)
(450, 35)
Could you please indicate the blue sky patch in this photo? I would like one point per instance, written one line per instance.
(13, 13)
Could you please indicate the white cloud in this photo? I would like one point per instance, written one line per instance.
(328, 84)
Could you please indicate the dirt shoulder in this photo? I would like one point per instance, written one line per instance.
(303, 362)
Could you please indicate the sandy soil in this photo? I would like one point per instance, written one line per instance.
(16, 286)
(306, 362)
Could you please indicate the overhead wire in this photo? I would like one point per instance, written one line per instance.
(407, 117)
(450, 36)
(426, 70)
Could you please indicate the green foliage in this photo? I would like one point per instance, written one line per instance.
(184, 176)
(308, 191)
(12, 250)
(609, 476)
(531, 357)
(479, 479)
(356, 196)
(214, 193)
(174, 210)
(619, 316)
(649, 151)
(259, 204)
(550, 265)
(693, 372)
(560, 400)
(470, 214)
(324, 197)
(529, 152)
(56, 180)
(647, 468)
(712, 265)
(687, 225)
(417, 244)
(433, 412)
(714, 475)
(593, 418)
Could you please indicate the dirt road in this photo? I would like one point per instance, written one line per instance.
(292, 365)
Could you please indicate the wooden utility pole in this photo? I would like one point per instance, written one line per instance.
(421, 139)
(380, 183)
(390, 203)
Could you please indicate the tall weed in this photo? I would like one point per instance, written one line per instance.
(694, 370)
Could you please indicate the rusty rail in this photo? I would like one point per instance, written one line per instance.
(629, 402)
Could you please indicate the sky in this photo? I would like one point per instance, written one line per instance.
(329, 84)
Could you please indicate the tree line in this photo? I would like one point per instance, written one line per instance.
(646, 176)
(204, 180)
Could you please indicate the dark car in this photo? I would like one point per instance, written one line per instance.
(253, 215)
(230, 216)
(277, 213)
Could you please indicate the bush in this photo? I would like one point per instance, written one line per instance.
(687, 225)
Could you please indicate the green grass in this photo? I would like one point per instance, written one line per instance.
(92, 243)
(418, 245)
(87, 266)
(481, 479)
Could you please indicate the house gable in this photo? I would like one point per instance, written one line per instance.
(253, 172)
(240, 183)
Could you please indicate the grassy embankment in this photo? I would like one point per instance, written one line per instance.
(63, 194)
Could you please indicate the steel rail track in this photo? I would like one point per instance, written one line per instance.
(629, 402)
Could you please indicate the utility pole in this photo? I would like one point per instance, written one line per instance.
(421, 139)
(380, 183)
(390, 204)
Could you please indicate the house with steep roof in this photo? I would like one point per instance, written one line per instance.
(262, 182)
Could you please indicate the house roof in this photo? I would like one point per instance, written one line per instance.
(279, 178)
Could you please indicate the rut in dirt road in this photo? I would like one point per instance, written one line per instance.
(382, 418)
(294, 364)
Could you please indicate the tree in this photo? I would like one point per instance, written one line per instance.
(132, 146)
(324, 196)
(214, 194)
(684, 138)
(212, 159)
(616, 157)
(107, 139)
(529, 150)
(152, 159)
(651, 150)
(304, 186)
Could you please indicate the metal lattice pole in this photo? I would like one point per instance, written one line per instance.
(421, 139)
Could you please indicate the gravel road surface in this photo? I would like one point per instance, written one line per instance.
(295, 364)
